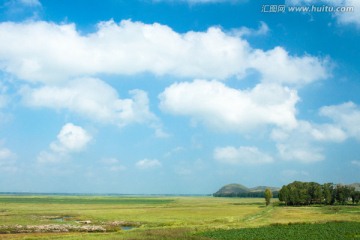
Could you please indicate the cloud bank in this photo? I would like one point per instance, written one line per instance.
(56, 52)
(227, 109)
(96, 100)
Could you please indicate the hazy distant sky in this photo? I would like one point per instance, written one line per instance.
(122, 96)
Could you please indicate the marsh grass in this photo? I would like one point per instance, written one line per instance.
(156, 217)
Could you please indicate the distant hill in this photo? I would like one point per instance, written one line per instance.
(232, 189)
(238, 190)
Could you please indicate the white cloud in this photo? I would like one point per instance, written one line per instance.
(96, 100)
(346, 116)
(310, 131)
(302, 143)
(227, 109)
(352, 17)
(71, 138)
(301, 152)
(241, 155)
(278, 66)
(7, 161)
(148, 164)
(244, 31)
(327, 132)
(52, 53)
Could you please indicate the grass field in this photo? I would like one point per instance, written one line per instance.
(87, 217)
(320, 231)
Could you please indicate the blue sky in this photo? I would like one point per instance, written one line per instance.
(176, 97)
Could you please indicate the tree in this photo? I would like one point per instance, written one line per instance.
(307, 193)
(355, 196)
(284, 195)
(343, 193)
(328, 191)
(268, 196)
(315, 193)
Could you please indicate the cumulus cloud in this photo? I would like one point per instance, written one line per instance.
(53, 52)
(148, 164)
(241, 155)
(302, 143)
(96, 100)
(344, 125)
(327, 132)
(70, 139)
(278, 66)
(315, 132)
(345, 116)
(228, 109)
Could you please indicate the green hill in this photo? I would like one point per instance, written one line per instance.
(232, 189)
(238, 190)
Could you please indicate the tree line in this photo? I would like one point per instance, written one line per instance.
(308, 193)
(257, 194)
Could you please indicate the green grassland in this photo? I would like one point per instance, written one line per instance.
(322, 231)
(162, 217)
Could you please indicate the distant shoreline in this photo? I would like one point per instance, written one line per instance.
(102, 194)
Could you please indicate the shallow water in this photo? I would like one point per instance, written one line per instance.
(126, 228)
(62, 219)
